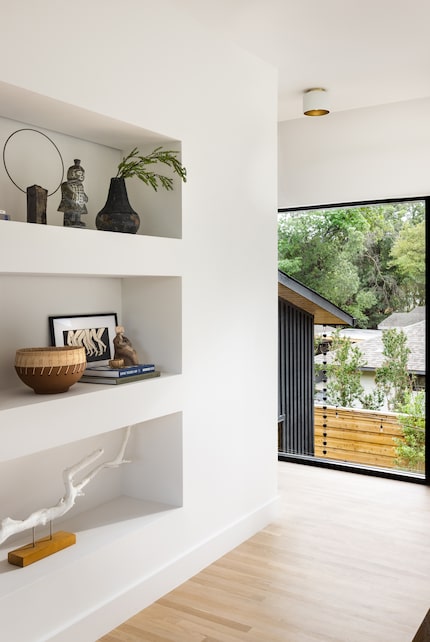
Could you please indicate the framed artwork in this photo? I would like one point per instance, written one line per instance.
(95, 332)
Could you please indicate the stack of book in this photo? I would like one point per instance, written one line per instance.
(114, 376)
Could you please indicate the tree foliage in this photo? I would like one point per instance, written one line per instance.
(392, 377)
(367, 260)
(409, 258)
(343, 367)
(393, 385)
(411, 449)
(343, 372)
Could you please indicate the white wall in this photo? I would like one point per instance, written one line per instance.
(373, 153)
(146, 63)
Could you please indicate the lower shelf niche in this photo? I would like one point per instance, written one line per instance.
(115, 502)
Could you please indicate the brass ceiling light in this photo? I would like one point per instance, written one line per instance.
(315, 102)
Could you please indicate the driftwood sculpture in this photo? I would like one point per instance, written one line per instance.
(9, 527)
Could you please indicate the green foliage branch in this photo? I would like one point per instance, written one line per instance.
(134, 164)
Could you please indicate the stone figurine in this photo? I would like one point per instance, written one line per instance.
(73, 197)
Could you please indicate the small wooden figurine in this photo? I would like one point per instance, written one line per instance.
(124, 349)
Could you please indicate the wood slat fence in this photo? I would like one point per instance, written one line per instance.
(357, 436)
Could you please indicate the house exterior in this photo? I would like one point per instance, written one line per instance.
(372, 353)
(402, 319)
(299, 308)
(370, 344)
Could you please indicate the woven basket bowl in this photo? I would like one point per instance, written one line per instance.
(50, 370)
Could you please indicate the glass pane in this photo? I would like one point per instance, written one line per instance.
(369, 379)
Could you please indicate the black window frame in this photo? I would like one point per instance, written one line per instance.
(358, 468)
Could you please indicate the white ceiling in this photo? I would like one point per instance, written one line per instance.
(363, 52)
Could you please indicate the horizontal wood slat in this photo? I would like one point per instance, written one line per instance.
(356, 436)
(383, 438)
(356, 458)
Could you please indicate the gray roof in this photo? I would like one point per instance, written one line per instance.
(373, 347)
(402, 319)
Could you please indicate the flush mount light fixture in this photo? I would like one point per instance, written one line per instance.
(315, 102)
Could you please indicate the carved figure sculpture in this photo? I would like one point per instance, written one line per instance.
(124, 349)
(10, 526)
(73, 197)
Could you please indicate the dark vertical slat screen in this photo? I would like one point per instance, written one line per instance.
(296, 380)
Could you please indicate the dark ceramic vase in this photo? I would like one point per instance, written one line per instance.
(118, 215)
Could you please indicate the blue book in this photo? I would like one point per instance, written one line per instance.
(127, 371)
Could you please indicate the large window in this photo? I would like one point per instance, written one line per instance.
(368, 378)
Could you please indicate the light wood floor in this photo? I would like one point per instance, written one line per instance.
(348, 560)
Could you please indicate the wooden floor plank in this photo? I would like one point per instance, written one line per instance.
(348, 560)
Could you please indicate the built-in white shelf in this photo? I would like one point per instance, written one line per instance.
(43, 278)
(99, 142)
(124, 523)
(32, 249)
(49, 270)
(94, 529)
(37, 110)
(31, 423)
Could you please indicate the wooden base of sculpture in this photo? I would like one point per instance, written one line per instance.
(44, 547)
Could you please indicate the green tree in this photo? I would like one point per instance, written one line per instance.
(318, 248)
(343, 372)
(372, 400)
(409, 257)
(345, 254)
(411, 449)
(393, 377)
